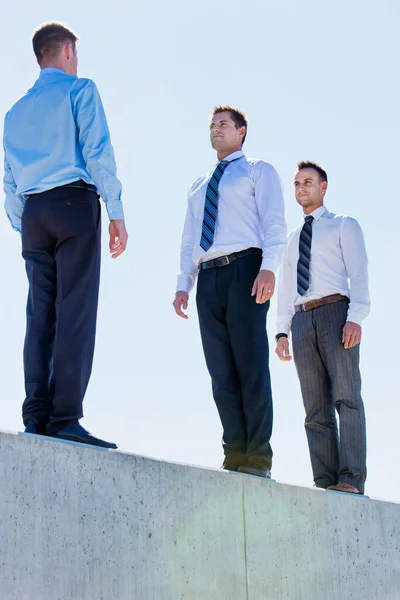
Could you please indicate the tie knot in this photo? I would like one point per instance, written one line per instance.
(309, 219)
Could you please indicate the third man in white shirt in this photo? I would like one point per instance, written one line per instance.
(322, 300)
(233, 239)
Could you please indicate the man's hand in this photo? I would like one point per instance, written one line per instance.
(282, 349)
(181, 301)
(264, 286)
(118, 237)
(351, 335)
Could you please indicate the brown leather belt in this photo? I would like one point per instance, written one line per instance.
(320, 302)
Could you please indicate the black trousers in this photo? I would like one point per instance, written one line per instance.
(61, 248)
(234, 337)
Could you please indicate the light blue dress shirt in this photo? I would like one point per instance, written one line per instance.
(56, 134)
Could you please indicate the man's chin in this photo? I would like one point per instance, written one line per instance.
(304, 203)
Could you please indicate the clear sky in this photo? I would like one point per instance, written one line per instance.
(318, 80)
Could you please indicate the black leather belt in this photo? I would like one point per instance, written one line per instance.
(223, 261)
(74, 184)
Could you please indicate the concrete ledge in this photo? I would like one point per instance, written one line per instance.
(80, 523)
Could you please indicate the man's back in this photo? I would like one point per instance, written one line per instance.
(57, 134)
(40, 133)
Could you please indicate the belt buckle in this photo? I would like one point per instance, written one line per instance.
(222, 261)
(303, 307)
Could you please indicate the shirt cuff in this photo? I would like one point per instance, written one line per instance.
(354, 319)
(15, 221)
(283, 328)
(269, 264)
(114, 210)
(185, 283)
(357, 314)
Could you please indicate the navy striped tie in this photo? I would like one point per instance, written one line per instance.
(211, 206)
(303, 264)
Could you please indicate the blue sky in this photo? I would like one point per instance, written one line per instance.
(318, 81)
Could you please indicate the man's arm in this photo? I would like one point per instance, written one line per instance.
(188, 269)
(356, 263)
(14, 203)
(98, 154)
(271, 210)
(286, 294)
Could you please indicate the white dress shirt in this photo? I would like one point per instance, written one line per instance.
(338, 265)
(251, 214)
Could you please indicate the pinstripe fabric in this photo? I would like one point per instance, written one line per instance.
(330, 383)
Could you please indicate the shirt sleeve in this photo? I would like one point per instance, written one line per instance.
(356, 263)
(188, 268)
(271, 209)
(286, 294)
(97, 151)
(14, 203)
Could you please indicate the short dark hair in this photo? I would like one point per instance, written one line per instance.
(238, 117)
(308, 164)
(48, 40)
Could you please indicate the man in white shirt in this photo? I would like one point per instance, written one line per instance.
(233, 238)
(322, 299)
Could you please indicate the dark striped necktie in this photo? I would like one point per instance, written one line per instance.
(211, 206)
(303, 264)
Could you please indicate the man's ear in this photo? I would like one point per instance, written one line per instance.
(242, 131)
(69, 51)
(324, 187)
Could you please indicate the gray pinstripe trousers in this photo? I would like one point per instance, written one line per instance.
(330, 379)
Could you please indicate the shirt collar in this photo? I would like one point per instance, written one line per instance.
(318, 212)
(48, 70)
(52, 73)
(233, 156)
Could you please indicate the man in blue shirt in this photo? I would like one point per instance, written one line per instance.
(58, 161)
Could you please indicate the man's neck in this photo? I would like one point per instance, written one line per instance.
(224, 153)
(52, 66)
(310, 209)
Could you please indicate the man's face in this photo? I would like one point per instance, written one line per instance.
(309, 189)
(223, 133)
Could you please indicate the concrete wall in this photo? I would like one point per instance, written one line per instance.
(80, 523)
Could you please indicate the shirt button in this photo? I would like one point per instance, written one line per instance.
(68, 203)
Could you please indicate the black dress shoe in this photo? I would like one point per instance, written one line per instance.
(33, 428)
(258, 466)
(234, 460)
(77, 433)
